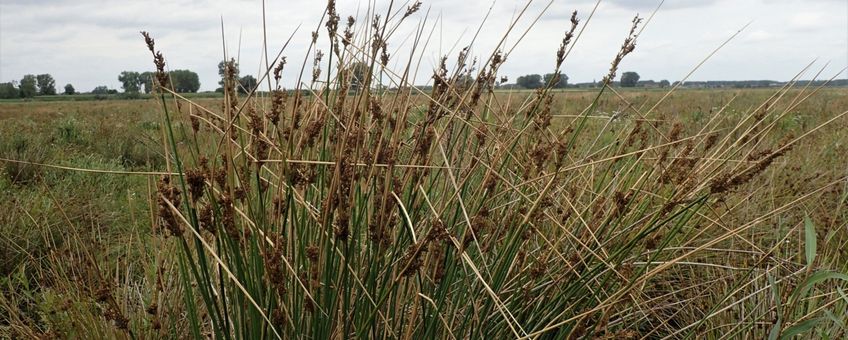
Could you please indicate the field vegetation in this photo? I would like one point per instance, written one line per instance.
(348, 211)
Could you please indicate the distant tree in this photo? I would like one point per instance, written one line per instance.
(100, 90)
(664, 83)
(46, 84)
(146, 79)
(359, 75)
(247, 83)
(130, 81)
(629, 79)
(222, 70)
(464, 81)
(69, 90)
(9, 91)
(185, 81)
(28, 86)
(561, 83)
(530, 81)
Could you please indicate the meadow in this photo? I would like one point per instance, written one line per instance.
(350, 211)
(59, 222)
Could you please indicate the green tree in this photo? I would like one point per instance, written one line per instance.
(561, 81)
(247, 83)
(46, 84)
(102, 89)
(130, 81)
(222, 70)
(530, 81)
(359, 72)
(28, 86)
(69, 89)
(629, 79)
(9, 91)
(464, 81)
(184, 81)
(664, 83)
(100, 92)
(147, 79)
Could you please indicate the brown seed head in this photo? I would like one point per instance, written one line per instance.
(411, 9)
(312, 253)
(628, 46)
(158, 60)
(196, 179)
(348, 33)
(278, 70)
(332, 19)
(566, 40)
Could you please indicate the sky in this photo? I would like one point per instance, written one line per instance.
(89, 42)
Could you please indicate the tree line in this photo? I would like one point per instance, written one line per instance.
(186, 81)
(132, 83)
(560, 81)
(32, 85)
(535, 81)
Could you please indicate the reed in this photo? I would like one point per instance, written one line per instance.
(357, 205)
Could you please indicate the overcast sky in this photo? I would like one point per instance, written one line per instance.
(89, 42)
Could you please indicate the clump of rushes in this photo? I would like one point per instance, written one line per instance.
(361, 206)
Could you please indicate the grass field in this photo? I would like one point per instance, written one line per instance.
(457, 212)
(67, 231)
(104, 97)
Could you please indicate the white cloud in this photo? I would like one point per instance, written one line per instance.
(88, 42)
(808, 21)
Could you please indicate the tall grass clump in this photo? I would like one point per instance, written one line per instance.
(344, 210)
(358, 205)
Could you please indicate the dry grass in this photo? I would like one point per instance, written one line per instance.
(457, 212)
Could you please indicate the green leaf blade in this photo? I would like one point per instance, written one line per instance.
(809, 240)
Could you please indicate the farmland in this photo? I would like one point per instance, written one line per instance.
(377, 175)
(642, 225)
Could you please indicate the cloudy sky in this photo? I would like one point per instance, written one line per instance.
(89, 42)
